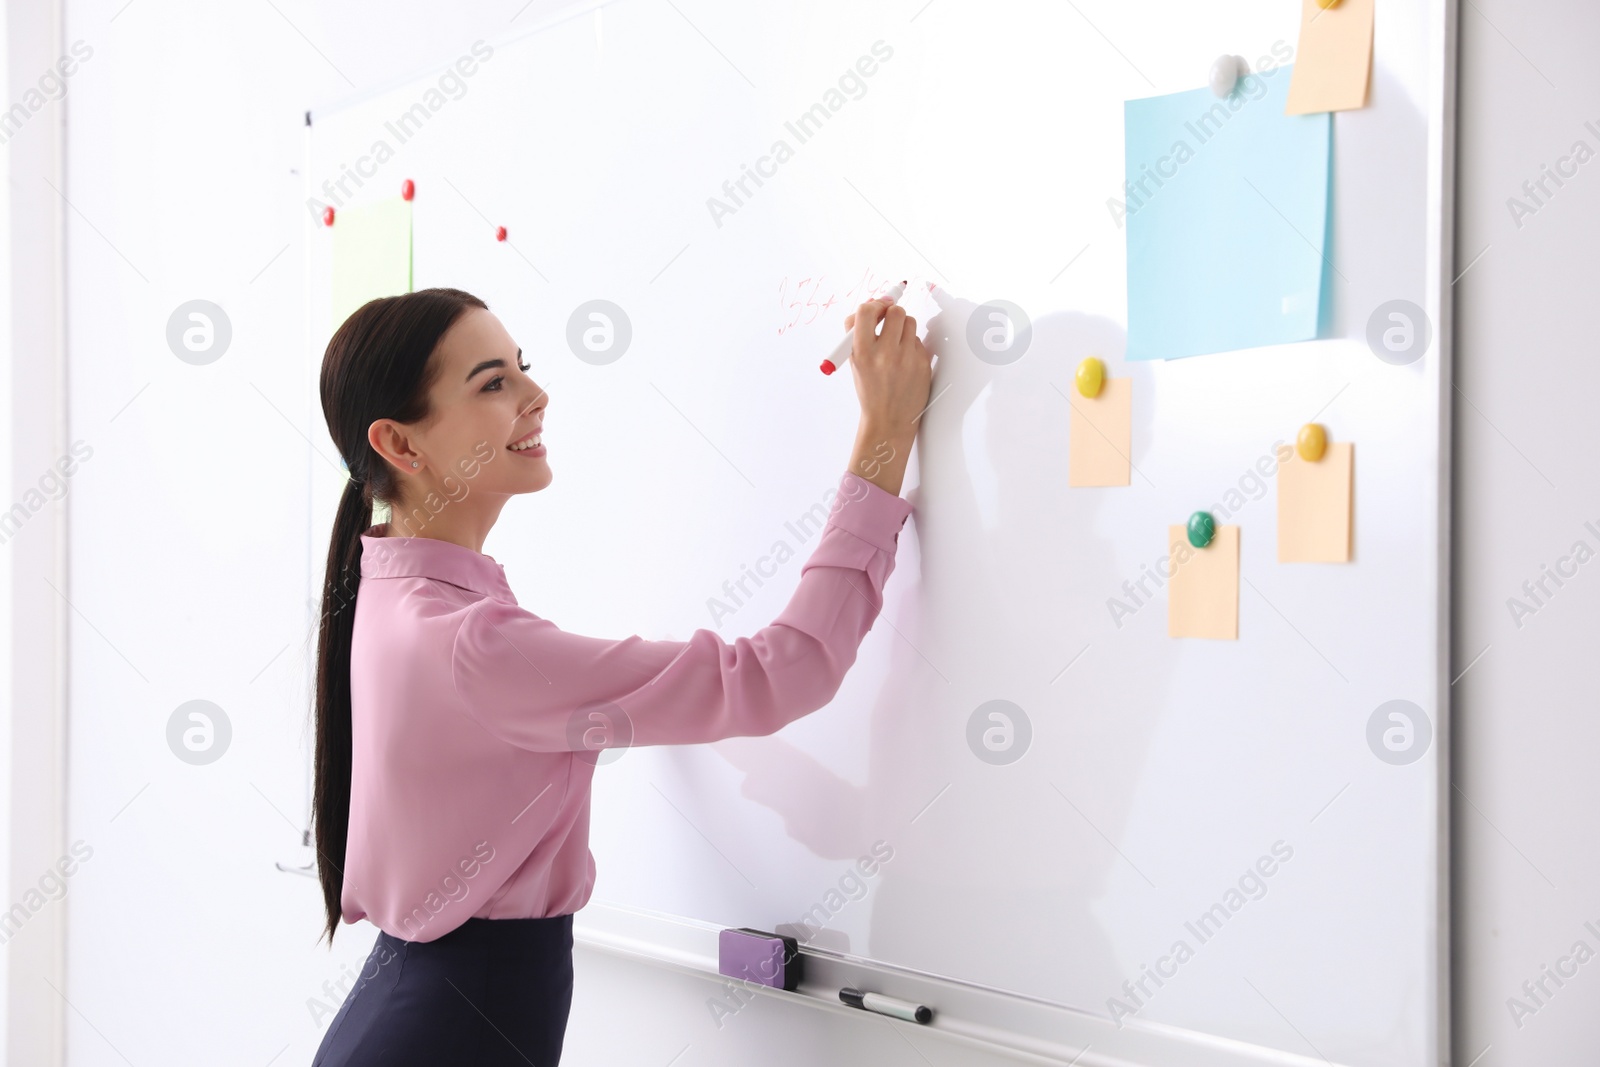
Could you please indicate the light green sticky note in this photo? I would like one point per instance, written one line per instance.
(371, 254)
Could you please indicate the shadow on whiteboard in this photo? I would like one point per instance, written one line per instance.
(993, 877)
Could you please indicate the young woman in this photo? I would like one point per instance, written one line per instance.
(457, 732)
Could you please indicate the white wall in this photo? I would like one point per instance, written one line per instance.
(1527, 798)
(8, 676)
(185, 947)
(34, 534)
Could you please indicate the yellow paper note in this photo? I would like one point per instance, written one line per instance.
(1100, 434)
(371, 254)
(1334, 61)
(1203, 595)
(1314, 506)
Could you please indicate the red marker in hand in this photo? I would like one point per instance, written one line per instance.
(841, 354)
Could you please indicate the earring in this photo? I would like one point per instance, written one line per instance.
(413, 463)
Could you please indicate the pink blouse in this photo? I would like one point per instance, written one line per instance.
(477, 724)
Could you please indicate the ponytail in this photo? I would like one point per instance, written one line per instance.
(377, 366)
(331, 792)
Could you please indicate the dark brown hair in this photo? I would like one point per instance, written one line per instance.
(377, 366)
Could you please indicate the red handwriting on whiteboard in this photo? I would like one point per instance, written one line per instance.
(804, 302)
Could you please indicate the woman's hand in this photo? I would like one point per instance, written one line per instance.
(894, 374)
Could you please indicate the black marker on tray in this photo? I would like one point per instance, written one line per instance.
(892, 1006)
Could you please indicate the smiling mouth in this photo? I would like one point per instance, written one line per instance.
(524, 444)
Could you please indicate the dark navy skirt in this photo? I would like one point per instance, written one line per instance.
(490, 992)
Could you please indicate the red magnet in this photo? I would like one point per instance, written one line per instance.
(500, 233)
(407, 189)
(327, 216)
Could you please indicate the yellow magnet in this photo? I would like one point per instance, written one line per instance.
(1312, 442)
(1325, 4)
(1091, 376)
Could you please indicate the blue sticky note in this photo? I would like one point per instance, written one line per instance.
(1227, 219)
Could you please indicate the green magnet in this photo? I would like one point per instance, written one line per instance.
(1202, 528)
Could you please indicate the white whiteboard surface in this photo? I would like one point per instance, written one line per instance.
(980, 155)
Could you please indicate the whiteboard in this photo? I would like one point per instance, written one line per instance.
(1157, 774)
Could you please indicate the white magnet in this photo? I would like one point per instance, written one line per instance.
(1226, 72)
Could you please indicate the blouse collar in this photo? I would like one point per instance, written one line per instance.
(387, 556)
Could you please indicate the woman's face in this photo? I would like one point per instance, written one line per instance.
(482, 402)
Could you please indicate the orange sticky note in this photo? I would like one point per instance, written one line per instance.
(1100, 434)
(1314, 506)
(1203, 594)
(1333, 64)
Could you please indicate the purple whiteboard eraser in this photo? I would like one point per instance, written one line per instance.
(759, 957)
